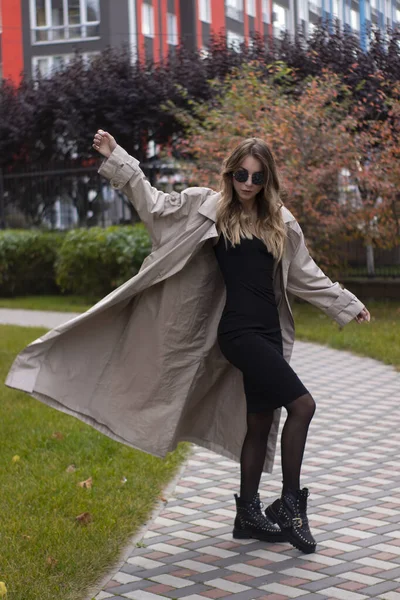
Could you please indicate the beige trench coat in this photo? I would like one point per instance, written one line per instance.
(143, 365)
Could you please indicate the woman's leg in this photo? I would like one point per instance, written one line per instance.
(290, 510)
(250, 522)
(253, 453)
(293, 440)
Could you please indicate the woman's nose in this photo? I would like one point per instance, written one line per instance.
(249, 180)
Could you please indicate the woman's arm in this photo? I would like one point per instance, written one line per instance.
(308, 282)
(125, 175)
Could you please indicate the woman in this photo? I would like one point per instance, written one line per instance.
(144, 365)
(252, 238)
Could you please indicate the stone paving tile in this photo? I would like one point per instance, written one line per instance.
(352, 468)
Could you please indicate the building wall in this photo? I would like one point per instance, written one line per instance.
(121, 21)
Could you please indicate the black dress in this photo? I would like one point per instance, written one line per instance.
(249, 332)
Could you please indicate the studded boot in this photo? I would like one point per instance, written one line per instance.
(250, 522)
(290, 513)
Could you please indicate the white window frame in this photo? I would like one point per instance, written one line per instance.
(50, 28)
(266, 11)
(205, 11)
(315, 6)
(148, 28)
(251, 8)
(51, 60)
(172, 29)
(234, 40)
(234, 9)
(278, 24)
(355, 20)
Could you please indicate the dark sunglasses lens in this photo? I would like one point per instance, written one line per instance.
(258, 178)
(241, 176)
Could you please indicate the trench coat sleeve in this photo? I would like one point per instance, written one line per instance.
(125, 175)
(308, 282)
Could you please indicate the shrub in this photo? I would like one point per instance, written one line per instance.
(93, 262)
(27, 262)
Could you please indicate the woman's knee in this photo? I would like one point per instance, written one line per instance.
(259, 424)
(303, 407)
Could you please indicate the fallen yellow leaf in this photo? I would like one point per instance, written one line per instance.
(51, 561)
(84, 518)
(16, 458)
(87, 483)
(3, 589)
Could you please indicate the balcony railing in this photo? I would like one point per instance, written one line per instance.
(234, 13)
(65, 33)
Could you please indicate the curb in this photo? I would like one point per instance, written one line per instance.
(127, 551)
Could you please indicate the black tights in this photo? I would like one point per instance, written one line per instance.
(293, 441)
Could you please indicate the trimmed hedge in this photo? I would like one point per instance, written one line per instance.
(93, 262)
(88, 262)
(27, 262)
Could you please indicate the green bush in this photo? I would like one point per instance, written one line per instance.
(93, 262)
(27, 262)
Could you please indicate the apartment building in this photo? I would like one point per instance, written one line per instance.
(44, 34)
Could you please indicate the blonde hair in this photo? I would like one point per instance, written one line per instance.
(232, 221)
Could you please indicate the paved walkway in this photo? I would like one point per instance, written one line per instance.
(33, 318)
(352, 467)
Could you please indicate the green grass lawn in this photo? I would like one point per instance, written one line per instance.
(377, 339)
(45, 554)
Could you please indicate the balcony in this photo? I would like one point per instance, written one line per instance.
(234, 13)
(65, 33)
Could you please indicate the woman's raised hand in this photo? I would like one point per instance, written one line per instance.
(104, 143)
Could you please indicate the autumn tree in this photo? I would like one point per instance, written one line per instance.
(313, 139)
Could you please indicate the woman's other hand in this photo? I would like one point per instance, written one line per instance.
(363, 316)
(104, 143)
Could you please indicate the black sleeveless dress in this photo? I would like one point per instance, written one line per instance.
(249, 332)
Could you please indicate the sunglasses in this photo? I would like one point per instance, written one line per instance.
(242, 175)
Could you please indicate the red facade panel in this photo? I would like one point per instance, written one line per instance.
(140, 36)
(259, 20)
(218, 16)
(11, 40)
(157, 32)
(164, 32)
(199, 32)
(246, 20)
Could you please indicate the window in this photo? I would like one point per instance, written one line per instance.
(147, 20)
(266, 11)
(46, 65)
(205, 11)
(172, 29)
(234, 40)
(234, 9)
(314, 6)
(354, 20)
(58, 20)
(280, 19)
(335, 8)
(251, 8)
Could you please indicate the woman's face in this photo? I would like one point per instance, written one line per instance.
(247, 190)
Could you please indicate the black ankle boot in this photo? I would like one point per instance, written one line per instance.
(290, 513)
(251, 523)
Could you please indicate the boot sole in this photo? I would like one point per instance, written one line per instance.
(244, 534)
(288, 535)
